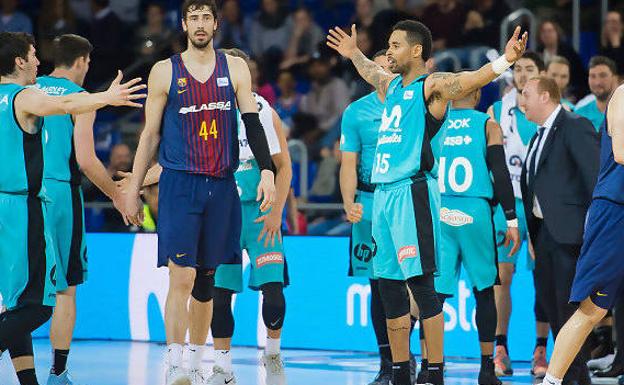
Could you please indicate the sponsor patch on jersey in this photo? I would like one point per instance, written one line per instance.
(407, 95)
(223, 106)
(455, 218)
(406, 252)
(4, 99)
(182, 82)
(269, 258)
(223, 82)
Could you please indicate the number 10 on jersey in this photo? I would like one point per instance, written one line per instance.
(204, 132)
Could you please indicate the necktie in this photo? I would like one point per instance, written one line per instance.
(533, 162)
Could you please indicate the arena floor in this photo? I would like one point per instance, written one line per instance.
(136, 363)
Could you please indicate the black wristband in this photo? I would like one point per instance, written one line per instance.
(503, 190)
(257, 140)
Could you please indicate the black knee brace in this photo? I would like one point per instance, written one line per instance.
(21, 346)
(203, 285)
(426, 298)
(222, 318)
(486, 314)
(273, 305)
(394, 297)
(22, 321)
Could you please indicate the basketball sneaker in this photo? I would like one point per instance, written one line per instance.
(177, 376)
(539, 365)
(502, 363)
(601, 363)
(384, 375)
(221, 377)
(487, 376)
(61, 379)
(274, 367)
(198, 377)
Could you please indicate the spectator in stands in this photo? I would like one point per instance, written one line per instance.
(482, 26)
(364, 14)
(603, 80)
(270, 29)
(258, 85)
(13, 20)
(106, 34)
(231, 32)
(327, 99)
(56, 18)
(551, 43)
(612, 39)
(305, 39)
(445, 18)
(558, 69)
(289, 100)
(153, 39)
(150, 208)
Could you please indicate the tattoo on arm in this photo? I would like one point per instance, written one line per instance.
(371, 72)
(449, 82)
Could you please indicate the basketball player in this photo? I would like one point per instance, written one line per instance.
(195, 95)
(600, 268)
(28, 273)
(406, 199)
(68, 149)
(517, 132)
(472, 151)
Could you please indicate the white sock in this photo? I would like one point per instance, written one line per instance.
(272, 346)
(196, 354)
(174, 355)
(223, 359)
(550, 379)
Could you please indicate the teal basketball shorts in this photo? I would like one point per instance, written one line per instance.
(501, 228)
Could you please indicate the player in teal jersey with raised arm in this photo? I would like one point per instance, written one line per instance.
(517, 133)
(68, 150)
(603, 80)
(406, 199)
(27, 258)
(473, 172)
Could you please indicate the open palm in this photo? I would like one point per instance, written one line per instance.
(341, 41)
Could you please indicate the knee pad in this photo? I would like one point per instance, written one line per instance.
(486, 316)
(273, 305)
(203, 285)
(222, 318)
(540, 314)
(20, 346)
(394, 298)
(425, 296)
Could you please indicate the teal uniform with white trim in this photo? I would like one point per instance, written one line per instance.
(359, 127)
(466, 214)
(268, 263)
(406, 224)
(62, 182)
(590, 111)
(27, 260)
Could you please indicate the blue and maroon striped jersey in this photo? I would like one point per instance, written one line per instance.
(199, 130)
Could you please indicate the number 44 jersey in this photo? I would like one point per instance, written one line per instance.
(463, 169)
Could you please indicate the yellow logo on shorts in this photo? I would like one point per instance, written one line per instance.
(599, 294)
(182, 82)
(180, 255)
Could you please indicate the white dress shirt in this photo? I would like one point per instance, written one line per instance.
(548, 126)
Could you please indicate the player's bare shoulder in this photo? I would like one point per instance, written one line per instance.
(160, 76)
(239, 71)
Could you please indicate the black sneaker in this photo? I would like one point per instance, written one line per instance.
(423, 376)
(384, 375)
(487, 376)
(615, 370)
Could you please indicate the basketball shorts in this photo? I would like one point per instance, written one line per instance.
(27, 260)
(500, 224)
(199, 220)
(268, 263)
(66, 228)
(362, 249)
(406, 228)
(468, 239)
(600, 268)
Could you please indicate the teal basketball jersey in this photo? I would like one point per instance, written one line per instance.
(58, 134)
(463, 169)
(359, 128)
(403, 142)
(590, 111)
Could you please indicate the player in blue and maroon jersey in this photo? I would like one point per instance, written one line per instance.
(194, 96)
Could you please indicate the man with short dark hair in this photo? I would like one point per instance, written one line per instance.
(557, 183)
(558, 69)
(603, 80)
(69, 149)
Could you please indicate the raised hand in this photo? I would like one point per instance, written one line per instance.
(516, 46)
(123, 94)
(340, 41)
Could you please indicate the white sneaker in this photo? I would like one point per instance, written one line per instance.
(601, 363)
(198, 377)
(274, 366)
(177, 376)
(221, 377)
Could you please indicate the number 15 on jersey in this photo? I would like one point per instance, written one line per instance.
(382, 164)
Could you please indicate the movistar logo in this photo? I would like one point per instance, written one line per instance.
(224, 106)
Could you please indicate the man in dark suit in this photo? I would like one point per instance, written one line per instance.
(557, 181)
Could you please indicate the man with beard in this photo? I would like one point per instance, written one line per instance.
(603, 79)
(517, 133)
(195, 95)
(406, 201)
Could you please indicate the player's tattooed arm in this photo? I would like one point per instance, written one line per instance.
(615, 123)
(370, 71)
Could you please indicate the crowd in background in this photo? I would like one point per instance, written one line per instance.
(292, 68)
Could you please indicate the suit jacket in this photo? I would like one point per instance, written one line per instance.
(565, 178)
